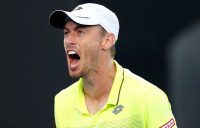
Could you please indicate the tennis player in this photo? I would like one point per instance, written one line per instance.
(106, 95)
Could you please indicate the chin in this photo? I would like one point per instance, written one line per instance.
(74, 75)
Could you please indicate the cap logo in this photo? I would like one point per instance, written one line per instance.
(78, 8)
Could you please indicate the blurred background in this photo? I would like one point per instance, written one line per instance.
(159, 40)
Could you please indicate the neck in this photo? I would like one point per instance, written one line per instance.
(98, 83)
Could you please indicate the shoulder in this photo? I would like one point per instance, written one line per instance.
(64, 103)
(67, 93)
(141, 88)
(153, 101)
(136, 82)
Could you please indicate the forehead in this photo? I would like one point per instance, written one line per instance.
(71, 25)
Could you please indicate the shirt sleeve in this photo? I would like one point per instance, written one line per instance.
(158, 110)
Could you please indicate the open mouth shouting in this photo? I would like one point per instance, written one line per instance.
(73, 59)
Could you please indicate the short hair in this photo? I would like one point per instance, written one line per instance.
(113, 50)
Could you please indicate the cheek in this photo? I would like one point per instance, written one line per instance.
(95, 44)
(93, 47)
(93, 53)
(64, 43)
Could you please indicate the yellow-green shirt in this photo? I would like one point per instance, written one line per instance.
(133, 103)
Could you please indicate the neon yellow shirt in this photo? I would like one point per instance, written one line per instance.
(133, 103)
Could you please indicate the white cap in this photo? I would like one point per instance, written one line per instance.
(87, 14)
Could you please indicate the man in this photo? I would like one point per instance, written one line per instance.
(106, 95)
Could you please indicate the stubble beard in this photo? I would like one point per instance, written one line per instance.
(74, 75)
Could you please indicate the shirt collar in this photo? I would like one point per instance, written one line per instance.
(116, 87)
(80, 100)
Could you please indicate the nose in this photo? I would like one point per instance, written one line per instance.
(70, 39)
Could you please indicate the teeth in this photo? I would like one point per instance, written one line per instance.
(71, 52)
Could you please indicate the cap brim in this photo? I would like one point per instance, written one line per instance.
(58, 18)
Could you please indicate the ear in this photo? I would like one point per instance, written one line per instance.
(108, 41)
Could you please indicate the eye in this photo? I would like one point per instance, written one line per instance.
(66, 33)
(81, 32)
